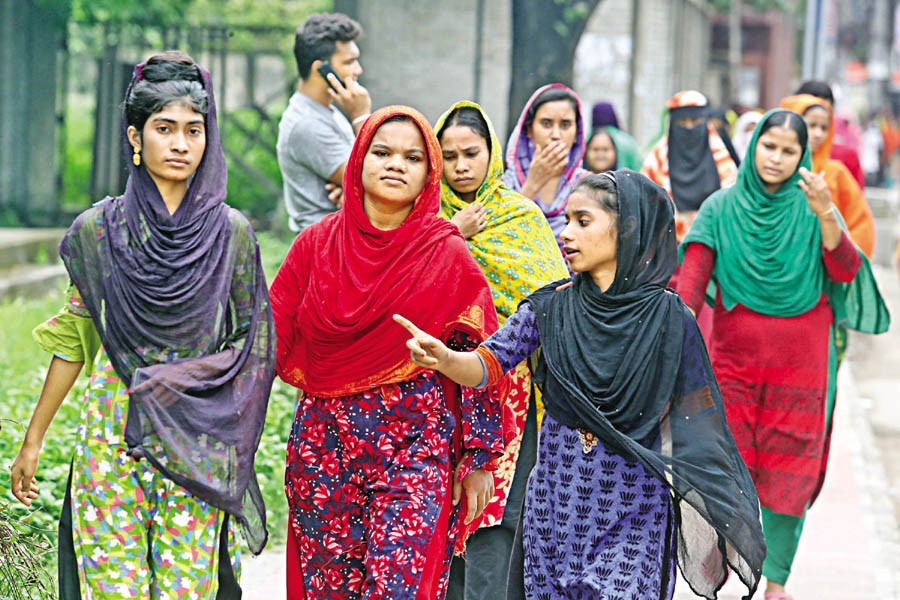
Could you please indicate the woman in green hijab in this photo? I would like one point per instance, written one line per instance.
(609, 148)
(785, 272)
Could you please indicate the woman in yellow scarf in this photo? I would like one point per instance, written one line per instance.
(512, 243)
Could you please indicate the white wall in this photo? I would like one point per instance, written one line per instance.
(672, 49)
(423, 54)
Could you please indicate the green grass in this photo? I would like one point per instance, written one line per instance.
(23, 366)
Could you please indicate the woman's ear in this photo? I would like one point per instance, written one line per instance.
(134, 138)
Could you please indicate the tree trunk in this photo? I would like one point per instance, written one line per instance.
(544, 38)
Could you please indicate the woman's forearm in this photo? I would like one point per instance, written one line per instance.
(60, 377)
(831, 231)
(465, 368)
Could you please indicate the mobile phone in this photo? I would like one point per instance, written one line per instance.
(324, 69)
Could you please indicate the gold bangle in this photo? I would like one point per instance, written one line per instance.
(827, 212)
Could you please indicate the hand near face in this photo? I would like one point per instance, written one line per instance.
(352, 97)
(549, 161)
(470, 220)
(816, 189)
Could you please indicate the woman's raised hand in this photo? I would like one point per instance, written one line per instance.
(470, 220)
(424, 350)
(816, 190)
(548, 162)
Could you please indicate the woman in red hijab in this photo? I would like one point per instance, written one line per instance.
(387, 461)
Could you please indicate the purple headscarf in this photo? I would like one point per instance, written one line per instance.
(604, 114)
(520, 152)
(181, 306)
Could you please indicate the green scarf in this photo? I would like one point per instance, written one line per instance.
(768, 254)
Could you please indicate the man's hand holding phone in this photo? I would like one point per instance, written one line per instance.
(348, 94)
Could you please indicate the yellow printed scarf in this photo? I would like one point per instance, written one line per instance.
(516, 250)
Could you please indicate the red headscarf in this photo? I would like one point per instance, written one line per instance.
(343, 278)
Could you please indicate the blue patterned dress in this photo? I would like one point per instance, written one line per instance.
(596, 525)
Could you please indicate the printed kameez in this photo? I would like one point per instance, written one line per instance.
(110, 495)
(627, 383)
(179, 388)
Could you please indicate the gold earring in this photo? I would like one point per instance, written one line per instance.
(136, 157)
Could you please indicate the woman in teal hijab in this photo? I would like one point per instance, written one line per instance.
(610, 148)
(785, 273)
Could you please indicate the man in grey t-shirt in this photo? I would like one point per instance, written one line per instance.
(314, 138)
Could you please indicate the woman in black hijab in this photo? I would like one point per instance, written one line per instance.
(637, 469)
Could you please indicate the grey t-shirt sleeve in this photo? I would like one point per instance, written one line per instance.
(318, 147)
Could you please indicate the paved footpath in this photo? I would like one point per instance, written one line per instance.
(850, 549)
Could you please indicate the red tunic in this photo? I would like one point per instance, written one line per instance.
(773, 375)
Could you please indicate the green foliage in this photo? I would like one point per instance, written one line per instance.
(116, 11)
(256, 12)
(192, 12)
(254, 178)
(22, 369)
(79, 132)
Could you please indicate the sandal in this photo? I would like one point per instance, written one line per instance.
(777, 596)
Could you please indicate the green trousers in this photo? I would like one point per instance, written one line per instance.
(782, 532)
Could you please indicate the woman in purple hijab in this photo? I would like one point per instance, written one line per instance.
(169, 316)
(545, 151)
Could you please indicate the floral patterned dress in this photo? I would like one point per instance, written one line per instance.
(135, 533)
(368, 481)
(596, 525)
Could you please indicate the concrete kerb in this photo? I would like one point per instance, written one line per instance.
(877, 509)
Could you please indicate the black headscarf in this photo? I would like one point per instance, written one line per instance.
(611, 363)
(181, 305)
(692, 168)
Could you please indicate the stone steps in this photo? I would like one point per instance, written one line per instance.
(29, 263)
